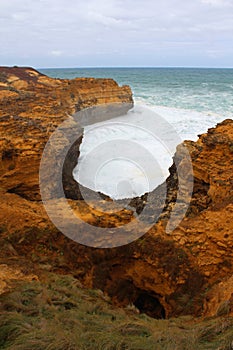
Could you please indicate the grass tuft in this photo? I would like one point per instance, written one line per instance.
(61, 315)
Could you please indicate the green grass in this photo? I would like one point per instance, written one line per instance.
(61, 315)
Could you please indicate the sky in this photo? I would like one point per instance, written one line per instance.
(112, 33)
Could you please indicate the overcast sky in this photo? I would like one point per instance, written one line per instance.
(75, 33)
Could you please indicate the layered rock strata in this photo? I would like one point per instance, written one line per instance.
(187, 271)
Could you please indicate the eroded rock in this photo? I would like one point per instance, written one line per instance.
(187, 271)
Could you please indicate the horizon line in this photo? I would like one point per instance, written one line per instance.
(137, 67)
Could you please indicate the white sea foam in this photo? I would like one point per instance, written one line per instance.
(131, 155)
(188, 123)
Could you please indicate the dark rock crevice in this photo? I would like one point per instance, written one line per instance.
(124, 293)
(149, 305)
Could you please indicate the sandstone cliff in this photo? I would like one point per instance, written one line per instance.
(186, 272)
(32, 105)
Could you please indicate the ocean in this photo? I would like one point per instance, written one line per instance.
(190, 100)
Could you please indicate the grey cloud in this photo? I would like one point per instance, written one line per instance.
(78, 32)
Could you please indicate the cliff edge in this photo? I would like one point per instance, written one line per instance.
(32, 105)
(186, 272)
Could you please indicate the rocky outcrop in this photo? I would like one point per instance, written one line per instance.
(187, 271)
(32, 105)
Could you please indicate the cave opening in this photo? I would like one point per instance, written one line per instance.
(123, 292)
(150, 306)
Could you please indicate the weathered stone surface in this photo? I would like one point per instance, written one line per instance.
(187, 271)
(32, 105)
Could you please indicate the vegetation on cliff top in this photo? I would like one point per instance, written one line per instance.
(61, 315)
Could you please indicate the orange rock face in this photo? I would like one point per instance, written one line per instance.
(32, 105)
(187, 271)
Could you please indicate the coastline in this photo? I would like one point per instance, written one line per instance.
(186, 273)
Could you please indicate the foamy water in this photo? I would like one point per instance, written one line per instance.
(131, 155)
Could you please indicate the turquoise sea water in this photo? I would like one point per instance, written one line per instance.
(202, 90)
